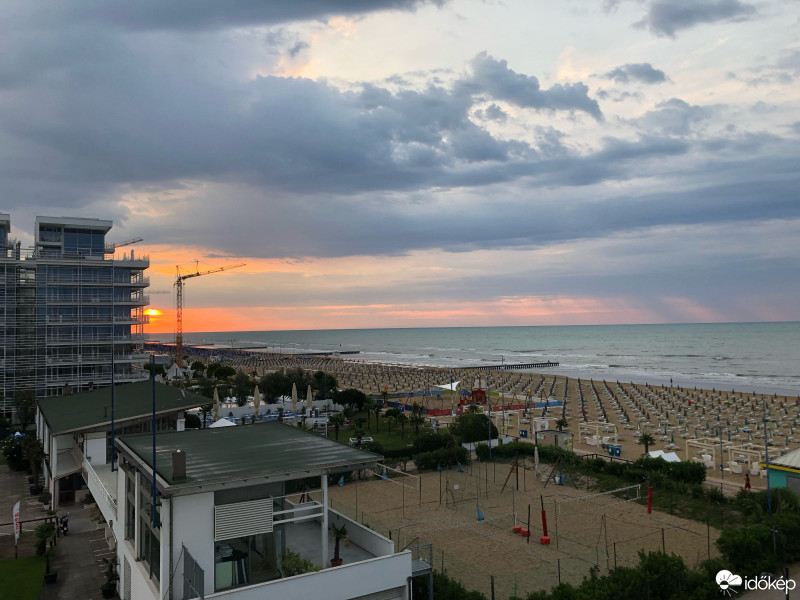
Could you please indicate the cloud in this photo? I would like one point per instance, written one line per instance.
(210, 15)
(674, 117)
(643, 72)
(491, 113)
(493, 77)
(667, 17)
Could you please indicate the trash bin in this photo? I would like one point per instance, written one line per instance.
(523, 433)
(617, 450)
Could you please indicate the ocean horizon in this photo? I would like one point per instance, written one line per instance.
(757, 357)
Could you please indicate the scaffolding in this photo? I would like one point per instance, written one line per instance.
(65, 313)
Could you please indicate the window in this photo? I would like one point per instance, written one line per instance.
(246, 560)
(130, 506)
(150, 535)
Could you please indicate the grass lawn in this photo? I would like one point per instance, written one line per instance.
(389, 441)
(21, 579)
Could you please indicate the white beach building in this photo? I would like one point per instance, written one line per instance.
(222, 525)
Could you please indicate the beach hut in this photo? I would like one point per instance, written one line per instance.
(784, 471)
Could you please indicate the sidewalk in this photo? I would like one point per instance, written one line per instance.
(79, 559)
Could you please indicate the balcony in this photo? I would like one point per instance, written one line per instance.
(102, 482)
(370, 564)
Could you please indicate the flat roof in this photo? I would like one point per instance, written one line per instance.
(262, 450)
(85, 410)
(80, 222)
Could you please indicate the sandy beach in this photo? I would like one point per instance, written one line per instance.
(438, 509)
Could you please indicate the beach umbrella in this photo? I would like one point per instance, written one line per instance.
(216, 405)
(256, 402)
(294, 397)
(536, 460)
(309, 399)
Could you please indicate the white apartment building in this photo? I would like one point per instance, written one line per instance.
(69, 309)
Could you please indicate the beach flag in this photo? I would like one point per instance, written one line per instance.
(480, 515)
(341, 481)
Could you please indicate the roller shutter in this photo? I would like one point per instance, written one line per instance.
(242, 518)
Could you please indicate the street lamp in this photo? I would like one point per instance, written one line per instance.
(489, 398)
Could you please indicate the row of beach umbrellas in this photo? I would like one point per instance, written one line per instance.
(257, 400)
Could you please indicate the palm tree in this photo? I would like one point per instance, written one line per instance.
(339, 533)
(417, 417)
(647, 440)
(369, 406)
(337, 421)
(392, 415)
(402, 419)
(561, 423)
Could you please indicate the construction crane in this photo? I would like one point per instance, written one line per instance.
(179, 279)
(115, 245)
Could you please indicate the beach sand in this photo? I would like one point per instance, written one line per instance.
(438, 510)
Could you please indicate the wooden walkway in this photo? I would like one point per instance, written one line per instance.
(510, 367)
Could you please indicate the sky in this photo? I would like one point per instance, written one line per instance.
(414, 163)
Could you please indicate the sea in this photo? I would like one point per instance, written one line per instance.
(749, 357)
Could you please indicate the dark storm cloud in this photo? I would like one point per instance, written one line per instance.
(643, 72)
(297, 167)
(493, 77)
(205, 15)
(667, 17)
(286, 134)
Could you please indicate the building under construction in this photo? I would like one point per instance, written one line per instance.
(70, 310)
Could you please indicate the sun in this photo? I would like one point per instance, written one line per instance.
(153, 312)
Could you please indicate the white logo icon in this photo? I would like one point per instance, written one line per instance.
(725, 579)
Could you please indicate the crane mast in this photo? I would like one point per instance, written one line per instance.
(179, 279)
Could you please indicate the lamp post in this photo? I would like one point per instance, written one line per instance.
(766, 454)
(489, 399)
(721, 462)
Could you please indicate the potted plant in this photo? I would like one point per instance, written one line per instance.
(109, 588)
(339, 533)
(49, 576)
(44, 532)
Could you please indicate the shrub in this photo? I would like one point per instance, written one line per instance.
(14, 454)
(293, 564)
(715, 495)
(373, 446)
(443, 456)
(597, 464)
(482, 452)
(430, 441)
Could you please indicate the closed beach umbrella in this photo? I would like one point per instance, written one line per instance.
(256, 402)
(216, 405)
(309, 399)
(536, 460)
(294, 397)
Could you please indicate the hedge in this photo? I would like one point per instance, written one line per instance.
(443, 456)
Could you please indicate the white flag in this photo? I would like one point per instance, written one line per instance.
(17, 526)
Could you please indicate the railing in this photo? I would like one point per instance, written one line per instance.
(420, 550)
(94, 480)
